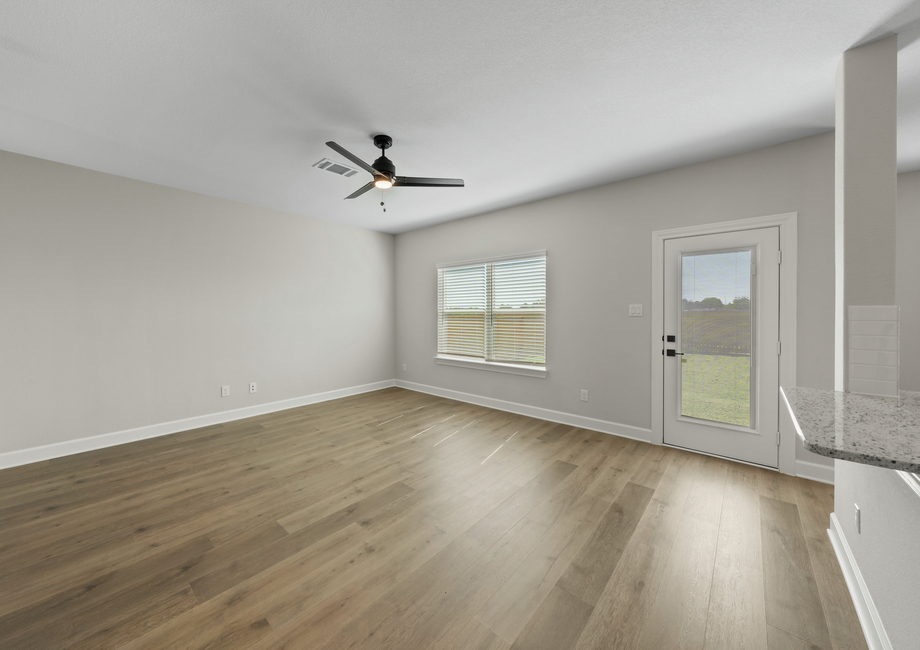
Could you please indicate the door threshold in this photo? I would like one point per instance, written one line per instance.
(734, 460)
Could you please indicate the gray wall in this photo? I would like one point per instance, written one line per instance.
(908, 277)
(124, 304)
(599, 261)
(886, 549)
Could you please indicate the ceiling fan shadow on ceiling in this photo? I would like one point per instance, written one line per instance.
(384, 171)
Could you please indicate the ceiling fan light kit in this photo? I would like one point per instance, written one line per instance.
(384, 171)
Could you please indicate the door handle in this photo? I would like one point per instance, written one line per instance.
(673, 353)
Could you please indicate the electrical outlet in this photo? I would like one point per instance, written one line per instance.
(858, 520)
(252, 387)
(225, 391)
(404, 367)
(584, 395)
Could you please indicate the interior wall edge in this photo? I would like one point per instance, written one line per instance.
(19, 457)
(580, 421)
(912, 480)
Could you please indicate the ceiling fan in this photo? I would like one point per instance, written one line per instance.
(384, 171)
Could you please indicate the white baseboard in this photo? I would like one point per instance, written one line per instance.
(814, 471)
(69, 447)
(874, 630)
(604, 426)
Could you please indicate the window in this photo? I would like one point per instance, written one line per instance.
(494, 311)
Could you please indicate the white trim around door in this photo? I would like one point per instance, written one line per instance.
(788, 229)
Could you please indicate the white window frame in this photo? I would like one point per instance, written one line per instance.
(525, 370)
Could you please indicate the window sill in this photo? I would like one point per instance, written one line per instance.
(492, 366)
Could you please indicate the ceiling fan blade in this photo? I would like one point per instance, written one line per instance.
(419, 181)
(361, 191)
(352, 157)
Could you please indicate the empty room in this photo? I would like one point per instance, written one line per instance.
(460, 326)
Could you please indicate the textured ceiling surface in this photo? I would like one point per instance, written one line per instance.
(523, 99)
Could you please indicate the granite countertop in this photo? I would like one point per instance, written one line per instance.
(882, 431)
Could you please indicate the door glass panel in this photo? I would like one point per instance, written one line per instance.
(716, 333)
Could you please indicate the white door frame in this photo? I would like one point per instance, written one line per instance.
(788, 236)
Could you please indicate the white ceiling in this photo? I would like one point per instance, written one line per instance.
(521, 98)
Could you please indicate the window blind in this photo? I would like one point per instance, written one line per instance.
(494, 310)
(519, 311)
(462, 311)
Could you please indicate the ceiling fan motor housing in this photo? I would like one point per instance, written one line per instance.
(385, 166)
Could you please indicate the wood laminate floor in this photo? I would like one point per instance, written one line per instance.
(400, 520)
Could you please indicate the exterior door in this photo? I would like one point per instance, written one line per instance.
(721, 363)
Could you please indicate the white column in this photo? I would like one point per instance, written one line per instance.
(866, 186)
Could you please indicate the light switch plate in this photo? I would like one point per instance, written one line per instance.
(635, 310)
